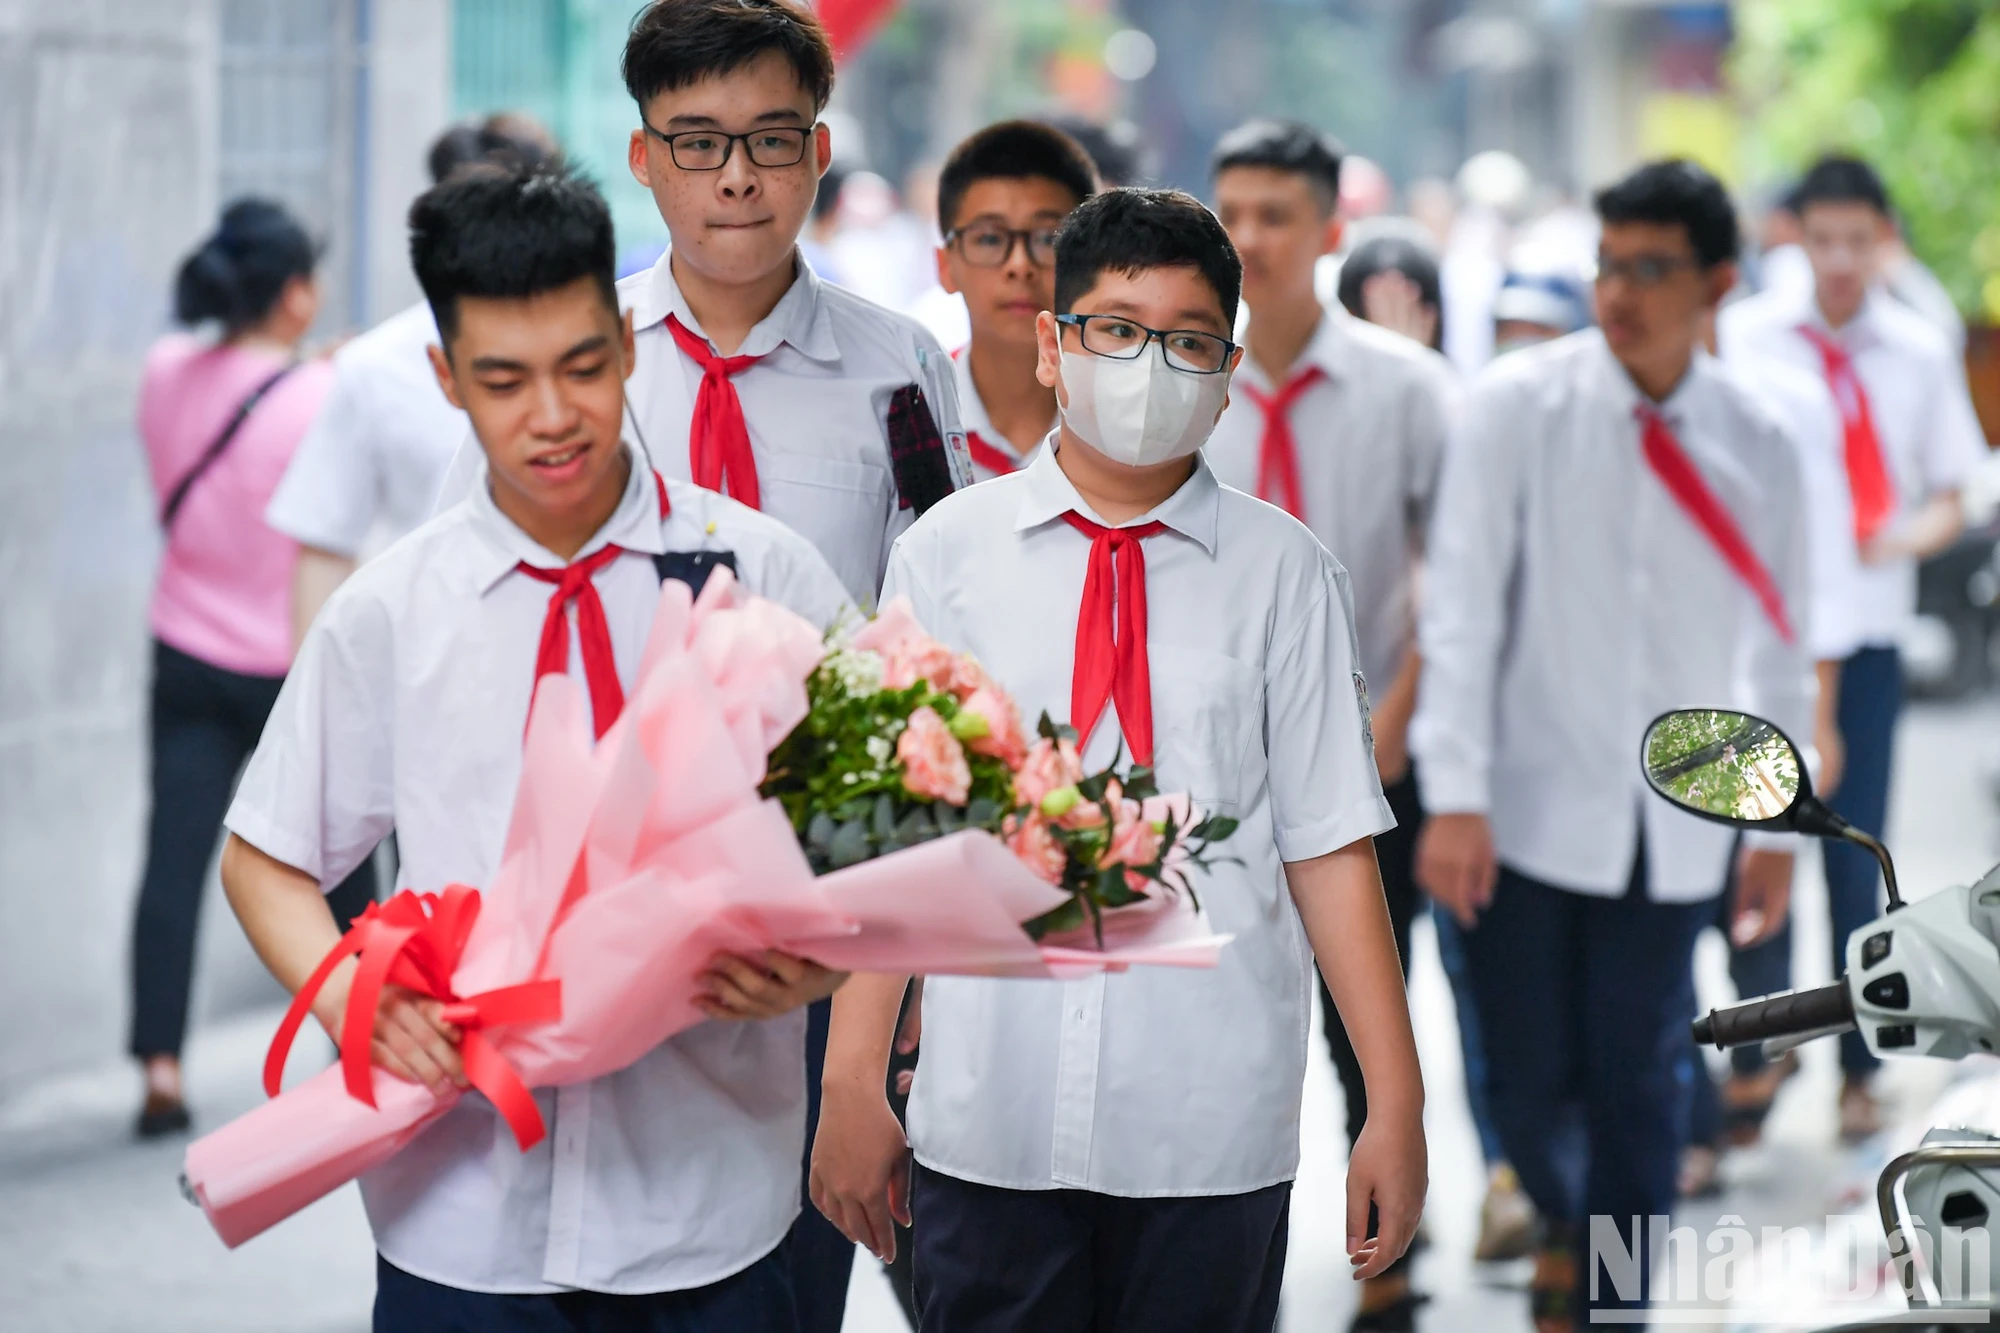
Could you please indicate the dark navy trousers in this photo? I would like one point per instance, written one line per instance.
(992, 1260)
(756, 1300)
(1584, 1005)
(1871, 697)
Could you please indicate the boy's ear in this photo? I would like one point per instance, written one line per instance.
(626, 347)
(1329, 241)
(635, 158)
(945, 278)
(1720, 280)
(822, 149)
(1048, 351)
(441, 367)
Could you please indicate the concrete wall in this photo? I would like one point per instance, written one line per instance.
(107, 137)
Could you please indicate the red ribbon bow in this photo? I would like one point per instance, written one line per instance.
(415, 942)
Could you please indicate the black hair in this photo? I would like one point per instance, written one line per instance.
(675, 43)
(1400, 254)
(238, 273)
(505, 139)
(1284, 145)
(489, 231)
(1013, 150)
(826, 197)
(1129, 231)
(1841, 179)
(1677, 192)
(1114, 148)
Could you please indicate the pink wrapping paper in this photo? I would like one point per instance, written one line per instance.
(675, 857)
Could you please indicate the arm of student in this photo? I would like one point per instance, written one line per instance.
(1339, 900)
(285, 916)
(314, 579)
(770, 984)
(860, 1177)
(1832, 746)
(1391, 722)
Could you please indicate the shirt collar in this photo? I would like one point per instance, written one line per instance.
(800, 318)
(1618, 385)
(1326, 350)
(1193, 511)
(634, 525)
(1861, 331)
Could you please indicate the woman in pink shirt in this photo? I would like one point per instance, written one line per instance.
(220, 417)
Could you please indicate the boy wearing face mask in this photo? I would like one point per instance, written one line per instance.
(1117, 1152)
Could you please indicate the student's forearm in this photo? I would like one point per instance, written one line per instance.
(288, 923)
(1340, 902)
(1826, 702)
(314, 579)
(862, 1031)
(1935, 526)
(1391, 719)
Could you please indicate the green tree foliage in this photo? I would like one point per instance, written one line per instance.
(1914, 86)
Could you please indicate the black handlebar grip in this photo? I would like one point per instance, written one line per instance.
(1786, 1015)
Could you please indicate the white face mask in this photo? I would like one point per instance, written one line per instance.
(1142, 411)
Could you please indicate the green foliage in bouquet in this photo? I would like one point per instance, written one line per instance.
(840, 782)
(1093, 874)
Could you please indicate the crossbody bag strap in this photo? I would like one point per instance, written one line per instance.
(215, 451)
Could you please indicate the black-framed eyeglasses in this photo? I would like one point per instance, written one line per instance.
(709, 150)
(1122, 339)
(1642, 270)
(989, 245)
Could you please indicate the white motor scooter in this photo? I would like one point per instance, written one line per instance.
(1922, 980)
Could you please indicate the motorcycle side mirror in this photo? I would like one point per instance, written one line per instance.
(1737, 769)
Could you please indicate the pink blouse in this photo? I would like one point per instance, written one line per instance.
(225, 588)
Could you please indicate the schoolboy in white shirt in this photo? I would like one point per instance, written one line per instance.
(1620, 531)
(663, 1194)
(1910, 439)
(1002, 193)
(830, 413)
(1342, 425)
(1116, 1153)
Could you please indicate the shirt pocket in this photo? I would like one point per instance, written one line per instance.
(838, 505)
(1207, 712)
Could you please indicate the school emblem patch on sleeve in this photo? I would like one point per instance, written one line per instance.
(1367, 723)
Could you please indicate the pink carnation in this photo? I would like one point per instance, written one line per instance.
(916, 658)
(1049, 765)
(1031, 840)
(969, 678)
(1004, 739)
(1134, 840)
(933, 761)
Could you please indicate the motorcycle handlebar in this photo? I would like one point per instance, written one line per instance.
(1827, 1007)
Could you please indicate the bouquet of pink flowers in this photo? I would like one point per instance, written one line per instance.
(905, 742)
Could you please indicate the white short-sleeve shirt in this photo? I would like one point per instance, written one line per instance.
(1370, 436)
(405, 712)
(1569, 600)
(1158, 1081)
(370, 468)
(1917, 398)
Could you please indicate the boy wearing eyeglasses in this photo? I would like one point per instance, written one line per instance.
(1001, 195)
(756, 378)
(1116, 1153)
(1620, 531)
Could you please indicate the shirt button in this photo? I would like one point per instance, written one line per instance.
(1079, 1015)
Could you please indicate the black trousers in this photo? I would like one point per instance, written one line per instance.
(1396, 852)
(992, 1260)
(205, 723)
(756, 1300)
